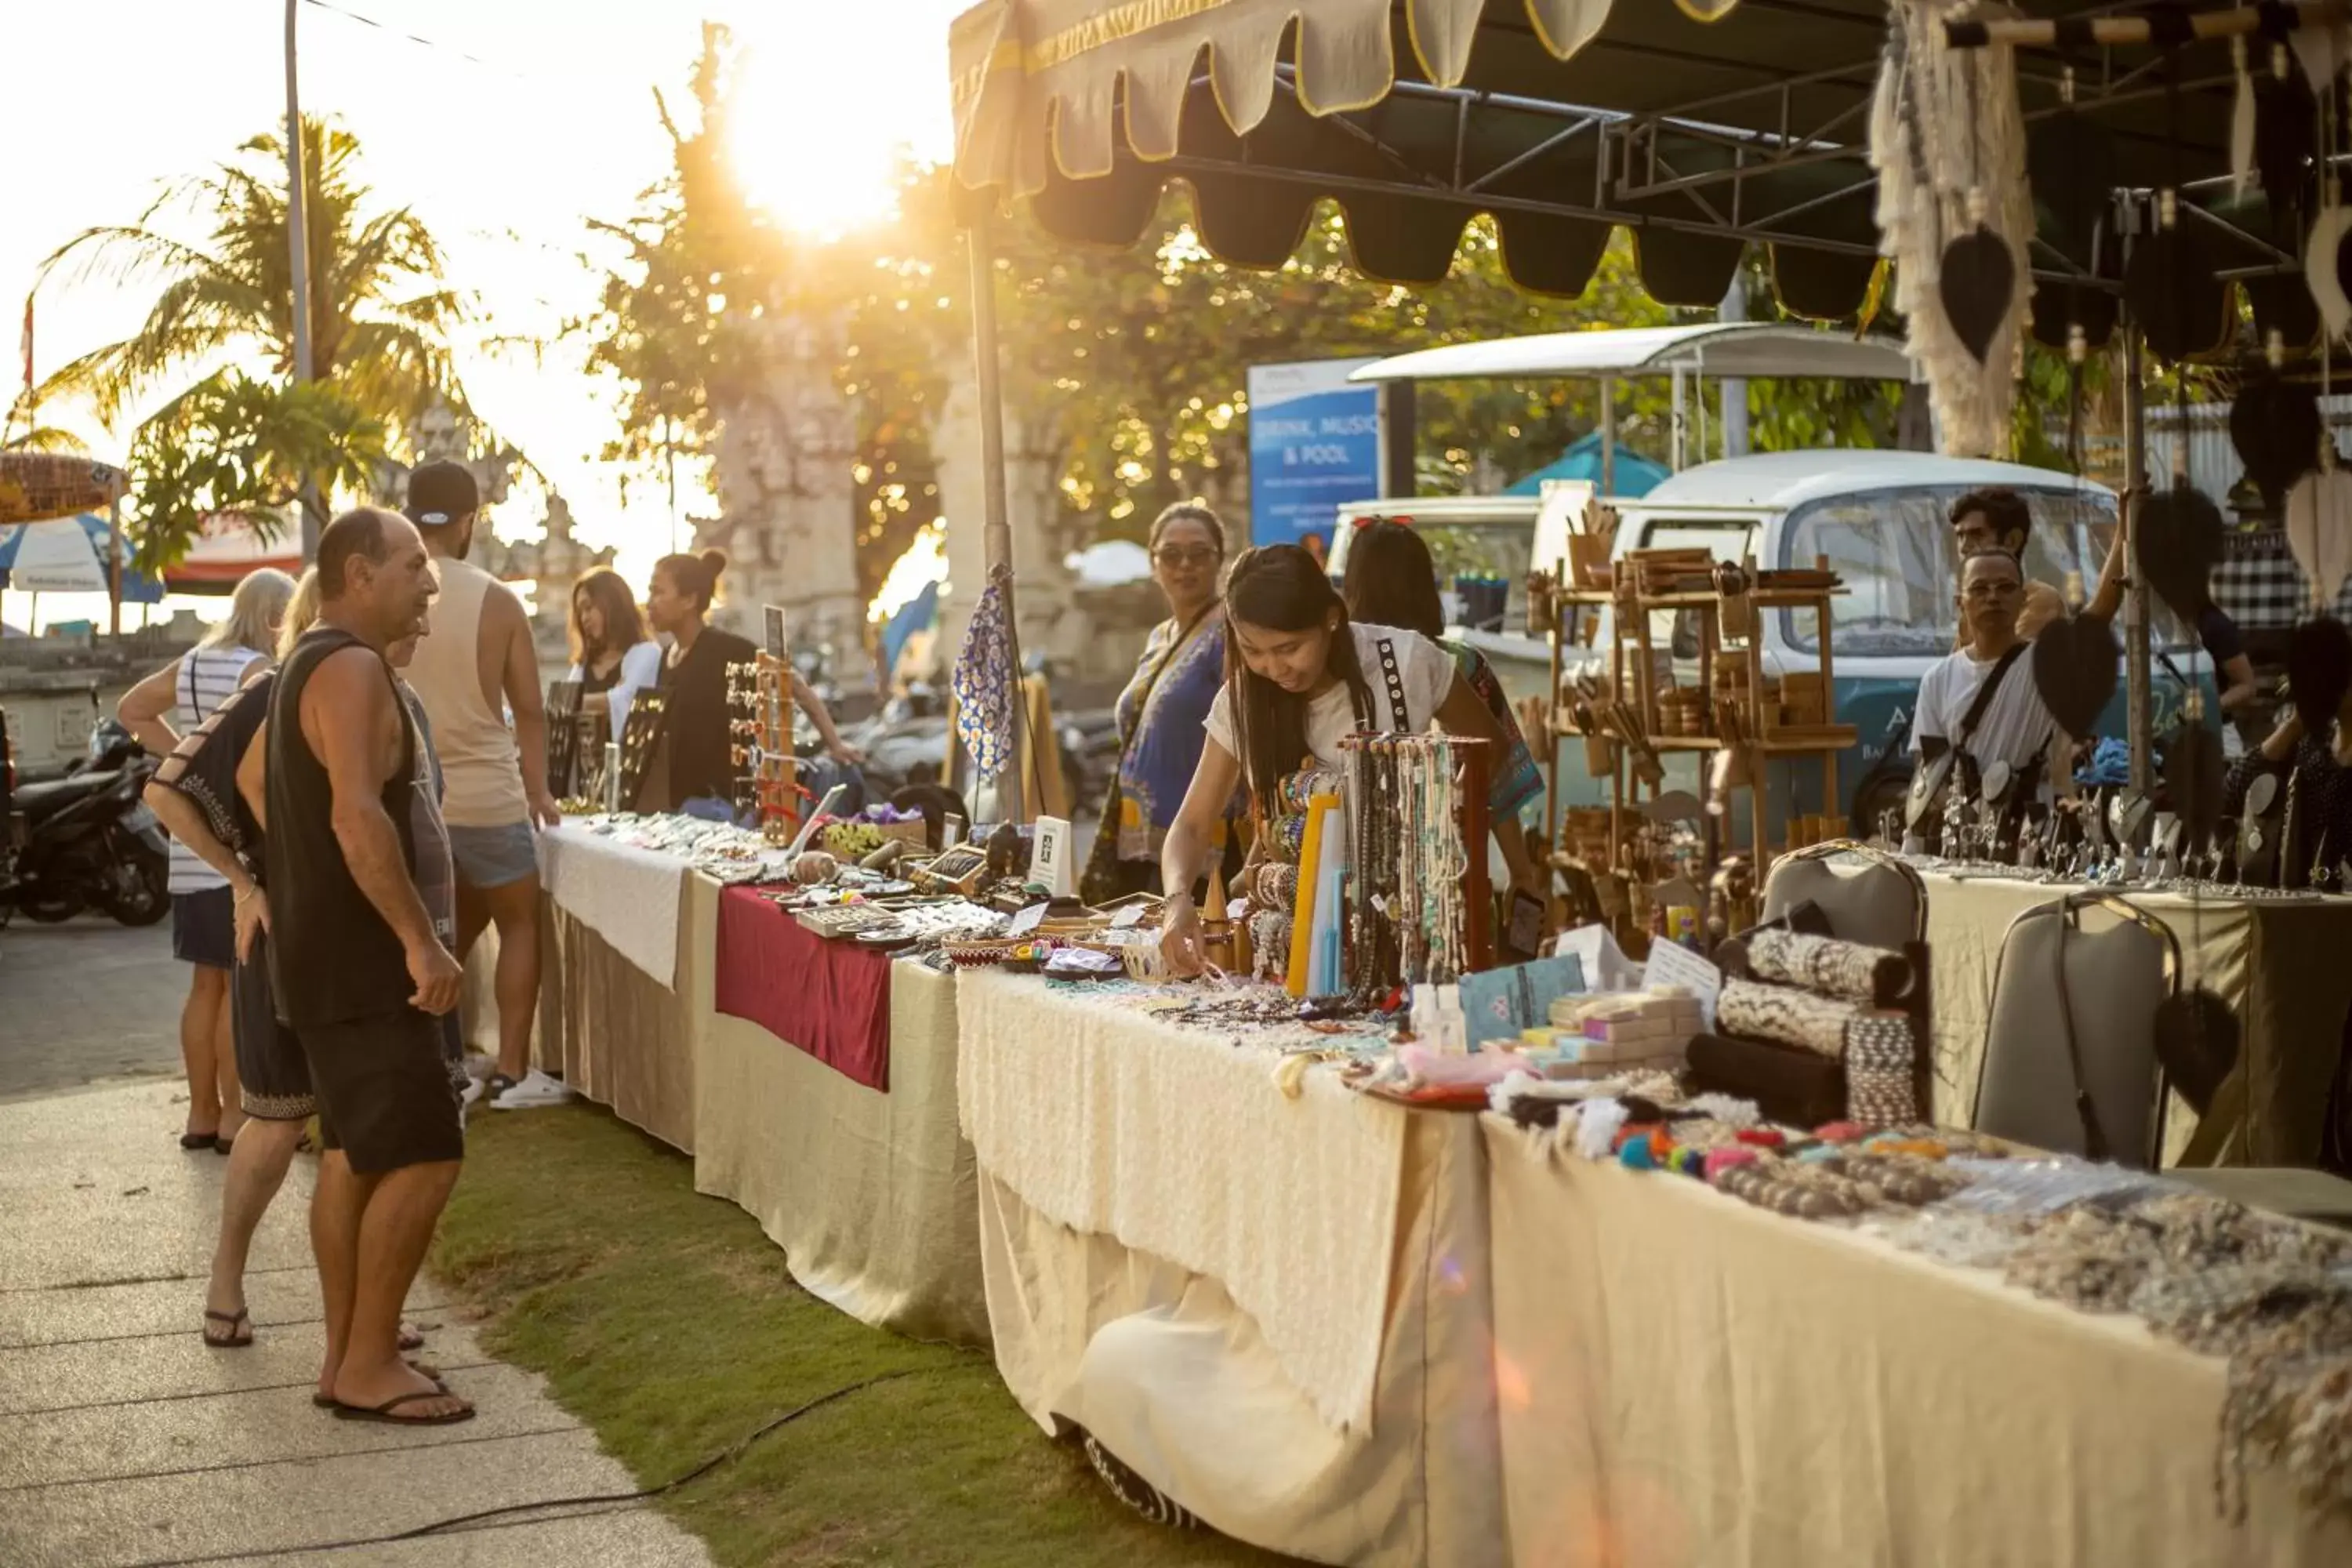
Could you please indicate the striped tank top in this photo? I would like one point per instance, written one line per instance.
(207, 676)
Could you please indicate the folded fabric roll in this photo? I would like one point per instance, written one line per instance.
(1785, 1014)
(1881, 1059)
(1835, 968)
(1788, 1083)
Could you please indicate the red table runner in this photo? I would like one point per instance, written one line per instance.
(828, 998)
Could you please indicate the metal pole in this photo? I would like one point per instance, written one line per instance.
(1680, 416)
(114, 569)
(297, 243)
(996, 537)
(1399, 438)
(2137, 673)
(1608, 436)
(1735, 389)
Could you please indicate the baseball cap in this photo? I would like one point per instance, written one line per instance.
(440, 493)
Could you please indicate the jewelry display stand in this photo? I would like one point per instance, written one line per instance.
(759, 699)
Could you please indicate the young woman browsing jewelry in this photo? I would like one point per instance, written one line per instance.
(1300, 676)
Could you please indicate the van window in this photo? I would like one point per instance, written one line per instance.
(1493, 549)
(1894, 549)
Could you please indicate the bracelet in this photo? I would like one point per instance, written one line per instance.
(246, 897)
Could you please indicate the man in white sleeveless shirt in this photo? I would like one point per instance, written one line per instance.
(474, 669)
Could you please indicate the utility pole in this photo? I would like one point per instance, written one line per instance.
(298, 232)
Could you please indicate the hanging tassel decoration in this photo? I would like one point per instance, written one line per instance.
(1947, 141)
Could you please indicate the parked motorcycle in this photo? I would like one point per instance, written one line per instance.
(88, 842)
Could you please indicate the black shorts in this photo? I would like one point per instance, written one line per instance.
(272, 1071)
(385, 1095)
(203, 927)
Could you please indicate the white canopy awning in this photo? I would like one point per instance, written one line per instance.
(1755, 350)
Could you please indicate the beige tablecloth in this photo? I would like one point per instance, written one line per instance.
(1176, 1142)
(873, 1196)
(2285, 967)
(1687, 1382)
(618, 1036)
(1171, 1376)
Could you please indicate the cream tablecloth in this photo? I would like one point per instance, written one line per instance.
(873, 1196)
(629, 895)
(619, 1037)
(2284, 965)
(1687, 1382)
(1163, 1234)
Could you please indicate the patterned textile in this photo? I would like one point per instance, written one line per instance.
(983, 685)
(2260, 587)
(1162, 719)
(1785, 1015)
(1821, 964)
(1879, 1060)
(205, 767)
(1106, 1115)
(1516, 783)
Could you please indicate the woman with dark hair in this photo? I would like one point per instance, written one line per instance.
(1300, 676)
(611, 655)
(1162, 710)
(694, 674)
(1391, 581)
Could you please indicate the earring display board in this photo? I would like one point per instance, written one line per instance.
(760, 708)
(645, 752)
(563, 752)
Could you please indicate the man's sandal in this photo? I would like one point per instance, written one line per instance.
(230, 1340)
(329, 1401)
(385, 1413)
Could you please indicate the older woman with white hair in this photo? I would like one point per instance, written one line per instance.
(168, 704)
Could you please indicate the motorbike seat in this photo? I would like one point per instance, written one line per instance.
(39, 802)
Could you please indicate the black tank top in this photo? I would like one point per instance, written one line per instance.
(331, 957)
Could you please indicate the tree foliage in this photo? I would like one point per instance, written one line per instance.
(381, 315)
(236, 443)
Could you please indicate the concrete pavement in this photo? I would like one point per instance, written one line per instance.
(87, 1000)
(124, 1441)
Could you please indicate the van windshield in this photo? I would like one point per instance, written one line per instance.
(1894, 549)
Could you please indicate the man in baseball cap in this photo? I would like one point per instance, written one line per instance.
(476, 666)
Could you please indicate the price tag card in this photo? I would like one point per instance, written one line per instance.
(1028, 921)
(1128, 918)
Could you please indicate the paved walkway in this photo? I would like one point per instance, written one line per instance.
(123, 1440)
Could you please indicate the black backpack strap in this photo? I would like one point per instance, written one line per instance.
(1400, 721)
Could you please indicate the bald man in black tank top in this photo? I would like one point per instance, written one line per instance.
(360, 973)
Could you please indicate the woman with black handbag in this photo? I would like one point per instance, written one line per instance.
(1164, 709)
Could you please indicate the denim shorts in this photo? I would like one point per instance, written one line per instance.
(493, 857)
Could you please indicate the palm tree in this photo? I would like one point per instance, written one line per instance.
(381, 312)
(21, 430)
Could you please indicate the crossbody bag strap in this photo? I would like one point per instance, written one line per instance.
(1400, 722)
(1151, 681)
(1975, 715)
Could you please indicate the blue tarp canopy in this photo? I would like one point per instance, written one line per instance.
(1636, 476)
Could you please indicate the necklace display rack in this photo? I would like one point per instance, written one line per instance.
(1419, 906)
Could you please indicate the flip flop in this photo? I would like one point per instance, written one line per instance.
(329, 1401)
(232, 1320)
(383, 1413)
(192, 1142)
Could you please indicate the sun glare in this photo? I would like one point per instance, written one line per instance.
(817, 144)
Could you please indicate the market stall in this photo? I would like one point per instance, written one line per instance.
(1271, 1306)
(1688, 1379)
(825, 1085)
(611, 1016)
(2277, 960)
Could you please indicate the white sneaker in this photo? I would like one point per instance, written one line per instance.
(534, 1092)
(467, 1095)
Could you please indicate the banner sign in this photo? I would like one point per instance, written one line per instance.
(1314, 444)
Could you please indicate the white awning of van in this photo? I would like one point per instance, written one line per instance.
(1758, 351)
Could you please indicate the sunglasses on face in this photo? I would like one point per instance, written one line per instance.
(1998, 589)
(1176, 557)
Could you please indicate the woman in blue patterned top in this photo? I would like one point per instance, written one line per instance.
(1162, 712)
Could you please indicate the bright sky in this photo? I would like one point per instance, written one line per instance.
(522, 117)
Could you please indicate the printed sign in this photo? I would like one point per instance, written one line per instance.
(775, 630)
(1314, 444)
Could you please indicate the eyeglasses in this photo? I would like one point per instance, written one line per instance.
(2000, 588)
(1177, 557)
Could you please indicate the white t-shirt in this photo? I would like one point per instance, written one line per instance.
(1425, 674)
(2015, 729)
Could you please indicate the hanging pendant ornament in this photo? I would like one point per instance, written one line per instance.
(2242, 122)
(2173, 289)
(1978, 280)
(2274, 425)
(2319, 50)
(2319, 528)
(2284, 149)
(2180, 541)
(2071, 161)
